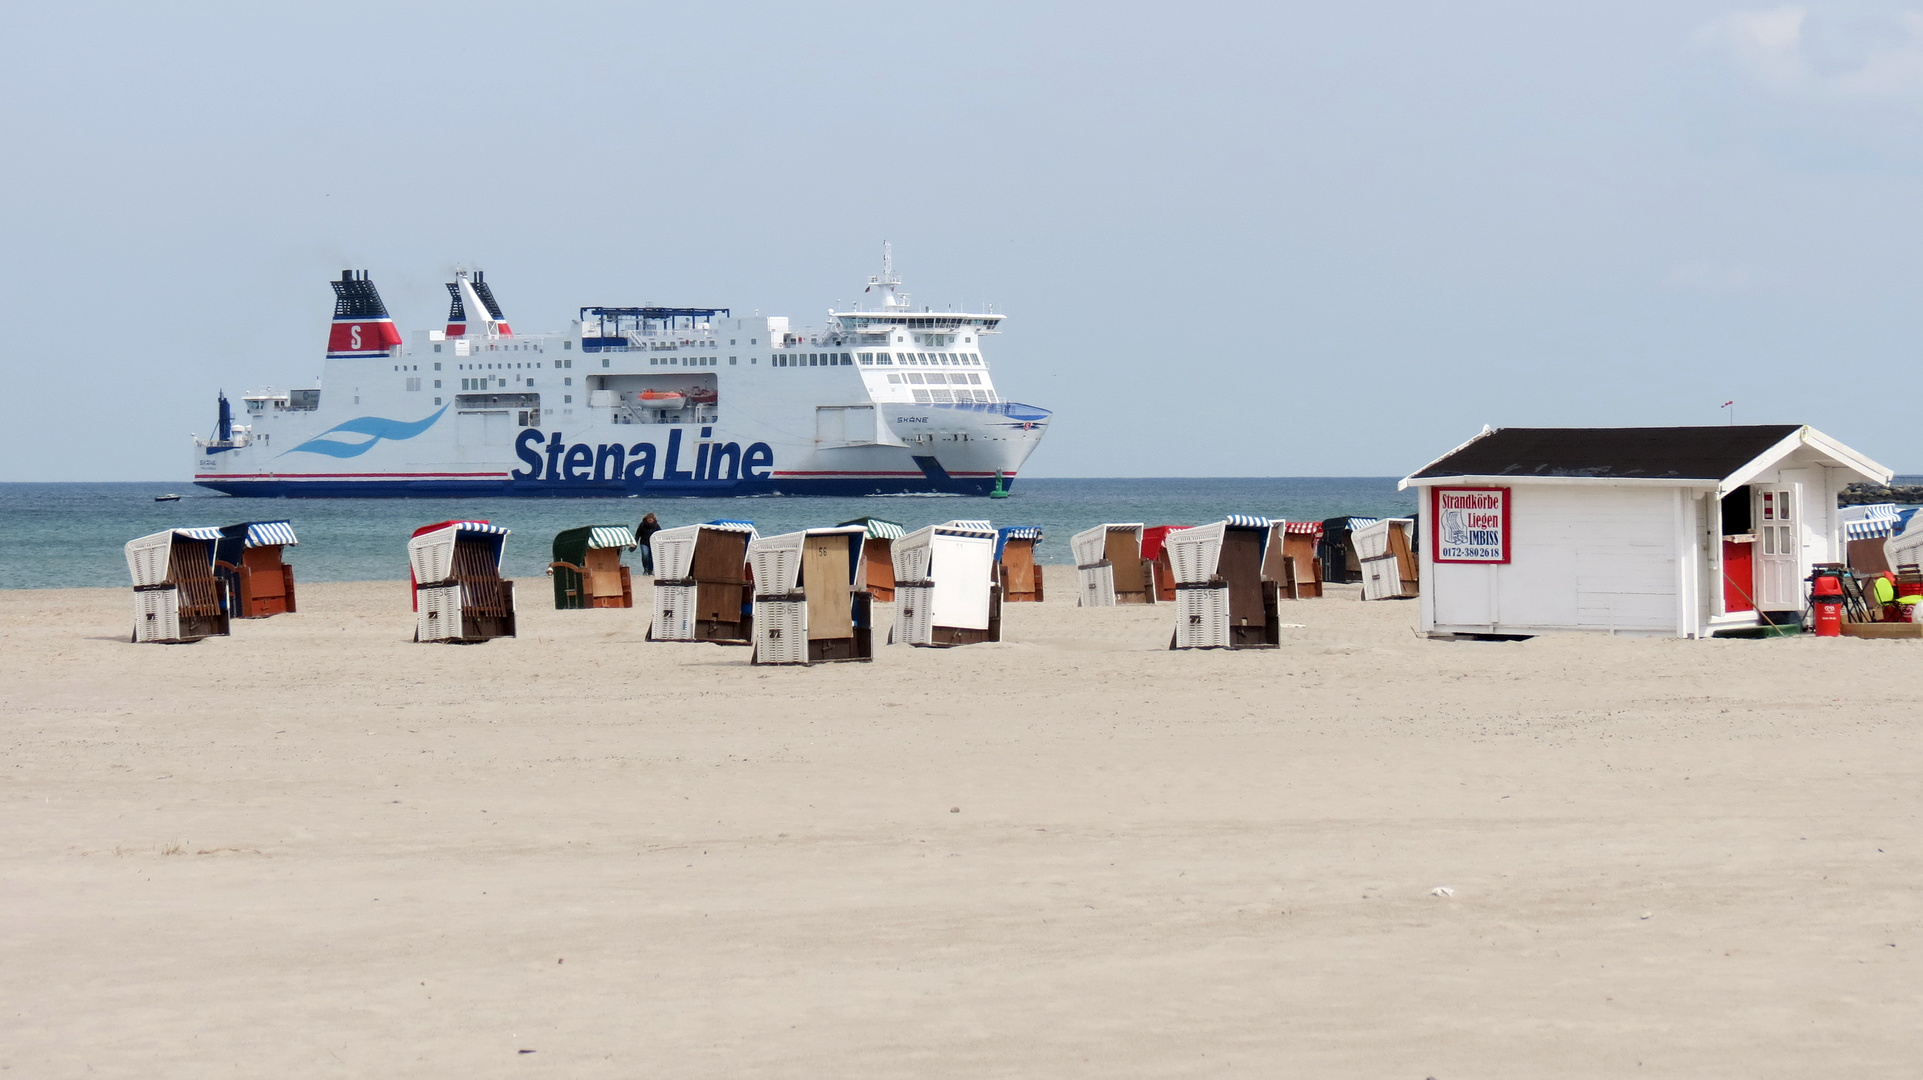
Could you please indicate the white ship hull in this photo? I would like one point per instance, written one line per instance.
(881, 402)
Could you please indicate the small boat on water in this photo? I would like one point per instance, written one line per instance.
(169, 497)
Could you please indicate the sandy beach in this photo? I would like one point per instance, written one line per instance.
(318, 849)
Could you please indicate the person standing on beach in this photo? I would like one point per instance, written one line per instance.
(643, 534)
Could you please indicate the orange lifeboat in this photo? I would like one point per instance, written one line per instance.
(661, 399)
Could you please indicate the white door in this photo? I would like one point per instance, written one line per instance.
(1779, 549)
(831, 426)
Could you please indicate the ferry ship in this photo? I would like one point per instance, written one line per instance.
(883, 400)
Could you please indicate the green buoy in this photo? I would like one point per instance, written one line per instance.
(1000, 492)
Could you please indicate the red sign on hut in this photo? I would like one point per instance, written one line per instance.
(1471, 524)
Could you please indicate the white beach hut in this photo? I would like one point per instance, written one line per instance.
(1675, 531)
(1222, 601)
(1108, 566)
(459, 593)
(809, 605)
(177, 598)
(945, 590)
(701, 587)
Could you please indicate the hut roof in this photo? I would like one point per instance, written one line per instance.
(1650, 453)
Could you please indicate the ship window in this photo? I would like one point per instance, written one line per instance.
(921, 397)
(915, 377)
(894, 378)
(567, 399)
(437, 348)
(437, 401)
(567, 344)
(847, 361)
(437, 384)
(974, 378)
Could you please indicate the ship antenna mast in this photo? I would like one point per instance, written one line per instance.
(886, 283)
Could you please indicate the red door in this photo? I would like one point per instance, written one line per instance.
(1739, 576)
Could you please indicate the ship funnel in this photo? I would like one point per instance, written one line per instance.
(361, 324)
(472, 297)
(456, 311)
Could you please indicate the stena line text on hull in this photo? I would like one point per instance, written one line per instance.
(883, 400)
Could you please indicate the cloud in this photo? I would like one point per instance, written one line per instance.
(1796, 56)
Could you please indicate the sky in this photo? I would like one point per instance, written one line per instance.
(1265, 239)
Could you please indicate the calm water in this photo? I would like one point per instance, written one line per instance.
(70, 535)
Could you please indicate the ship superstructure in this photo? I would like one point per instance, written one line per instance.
(662, 400)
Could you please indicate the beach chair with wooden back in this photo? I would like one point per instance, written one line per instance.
(1108, 566)
(809, 607)
(1015, 566)
(1291, 561)
(1222, 601)
(945, 589)
(460, 596)
(177, 598)
(1387, 558)
(1155, 565)
(877, 556)
(701, 586)
(587, 567)
(249, 558)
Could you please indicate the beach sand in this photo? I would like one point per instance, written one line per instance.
(317, 849)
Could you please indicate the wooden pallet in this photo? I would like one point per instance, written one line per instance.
(1883, 630)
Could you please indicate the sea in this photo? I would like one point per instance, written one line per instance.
(56, 536)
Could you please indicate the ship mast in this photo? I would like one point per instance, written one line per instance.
(887, 283)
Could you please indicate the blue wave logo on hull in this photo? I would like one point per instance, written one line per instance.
(379, 428)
